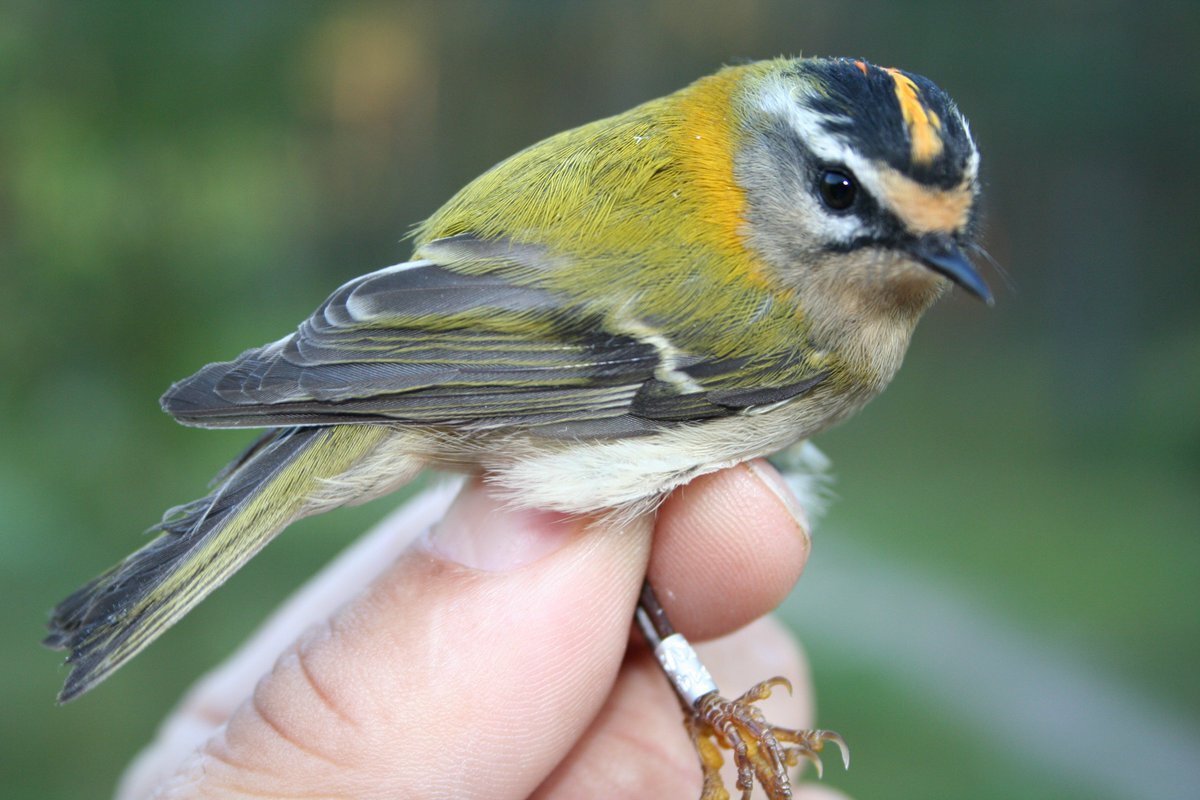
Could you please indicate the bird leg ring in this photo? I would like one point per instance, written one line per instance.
(761, 750)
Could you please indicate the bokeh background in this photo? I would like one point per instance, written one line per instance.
(1004, 600)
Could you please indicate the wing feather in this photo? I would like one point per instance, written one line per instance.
(436, 344)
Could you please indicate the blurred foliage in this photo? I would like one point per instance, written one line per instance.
(181, 181)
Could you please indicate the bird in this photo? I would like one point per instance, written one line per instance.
(710, 277)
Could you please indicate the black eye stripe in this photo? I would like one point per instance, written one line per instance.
(887, 233)
(811, 168)
(878, 225)
(864, 205)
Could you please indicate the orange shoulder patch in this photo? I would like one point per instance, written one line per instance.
(705, 143)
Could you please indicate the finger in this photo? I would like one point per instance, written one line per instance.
(728, 548)
(683, 517)
(637, 747)
(464, 670)
(213, 698)
(694, 541)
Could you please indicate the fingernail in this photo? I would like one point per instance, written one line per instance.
(480, 532)
(771, 479)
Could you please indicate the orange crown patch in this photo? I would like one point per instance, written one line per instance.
(923, 123)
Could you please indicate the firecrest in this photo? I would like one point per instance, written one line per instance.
(704, 279)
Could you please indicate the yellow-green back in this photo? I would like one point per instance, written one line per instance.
(648, 200)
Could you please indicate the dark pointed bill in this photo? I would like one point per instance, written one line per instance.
(942, 255)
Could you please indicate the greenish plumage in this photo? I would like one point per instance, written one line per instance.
(592, 322)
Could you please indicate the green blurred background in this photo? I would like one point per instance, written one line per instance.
(1005, 599)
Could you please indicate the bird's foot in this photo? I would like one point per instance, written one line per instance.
(760, 750)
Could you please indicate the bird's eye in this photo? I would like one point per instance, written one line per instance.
(837, 189)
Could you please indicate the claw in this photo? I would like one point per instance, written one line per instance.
(761, 691)
(811, 755)
(843, 748)
(760, 750)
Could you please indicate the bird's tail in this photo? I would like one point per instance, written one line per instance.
(278, 480)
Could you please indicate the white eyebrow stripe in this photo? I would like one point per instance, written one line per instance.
(879, 180)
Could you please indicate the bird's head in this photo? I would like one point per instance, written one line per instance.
(861, 183)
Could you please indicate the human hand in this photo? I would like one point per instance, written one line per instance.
(491, 658)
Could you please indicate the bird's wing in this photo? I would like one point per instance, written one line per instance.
(427, 343)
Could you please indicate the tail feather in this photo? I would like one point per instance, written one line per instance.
(110, 620)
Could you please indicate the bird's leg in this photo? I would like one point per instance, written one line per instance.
(760, 750)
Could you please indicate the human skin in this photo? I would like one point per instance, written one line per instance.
(492, 658)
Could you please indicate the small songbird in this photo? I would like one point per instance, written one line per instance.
(707, 278)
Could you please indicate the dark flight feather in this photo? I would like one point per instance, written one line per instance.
(430, 344)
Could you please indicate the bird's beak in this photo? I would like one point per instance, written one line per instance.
(942, 255)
